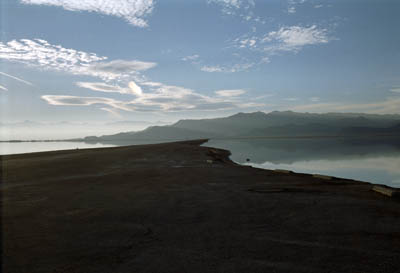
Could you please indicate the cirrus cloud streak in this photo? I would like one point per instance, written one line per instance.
(15, 78)
(40, 53)
(158, 97)
(285, 39)
(133, 11)
(230, 92)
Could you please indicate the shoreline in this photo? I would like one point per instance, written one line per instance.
(183, 207)
(203, 141)
(210, 138)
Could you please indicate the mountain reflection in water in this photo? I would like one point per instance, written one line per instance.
(374, 160)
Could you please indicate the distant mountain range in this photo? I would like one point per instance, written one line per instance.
(260, 124)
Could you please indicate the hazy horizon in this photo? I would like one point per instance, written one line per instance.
(37, 130)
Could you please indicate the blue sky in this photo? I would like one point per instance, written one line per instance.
(103, 60)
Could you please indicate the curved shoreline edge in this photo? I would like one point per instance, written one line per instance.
(223, 156)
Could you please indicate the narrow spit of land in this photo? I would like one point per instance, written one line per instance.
(180, 207)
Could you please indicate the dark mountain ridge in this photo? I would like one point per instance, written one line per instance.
(259, 124)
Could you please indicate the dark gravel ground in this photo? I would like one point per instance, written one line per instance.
(166, 208)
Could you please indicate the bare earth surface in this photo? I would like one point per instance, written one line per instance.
(164, 208)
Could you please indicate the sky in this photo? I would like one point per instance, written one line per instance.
(99, 61)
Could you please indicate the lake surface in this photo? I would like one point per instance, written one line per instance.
(366, 159)
(31, 147)
(7, 148)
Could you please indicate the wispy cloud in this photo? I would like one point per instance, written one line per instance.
(75, 100)
(118, 68)
(113, 112)
(133, 11)
(228, 6)
(260, 46)
(227, 69)
(239, 65)
(395, 89)
(291, 39)
(3, 88)
(291, 99)
(16, 78)
(152, 84)
(244, 9)
(135, 89)
(249, 42)
(211, 69)
(190, 58)
(132, 88)
(292, 5)
(291, 9)
(83, 101)
(40, 53)
(230, 92)
(157, 97)
(315, 99)
(294, 38)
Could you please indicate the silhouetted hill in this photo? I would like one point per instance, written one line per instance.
(154, 133)
(259, 124)
(229, 126)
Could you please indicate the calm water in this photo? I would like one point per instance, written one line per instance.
(31, 147)
(371, 160)
(7, 148)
